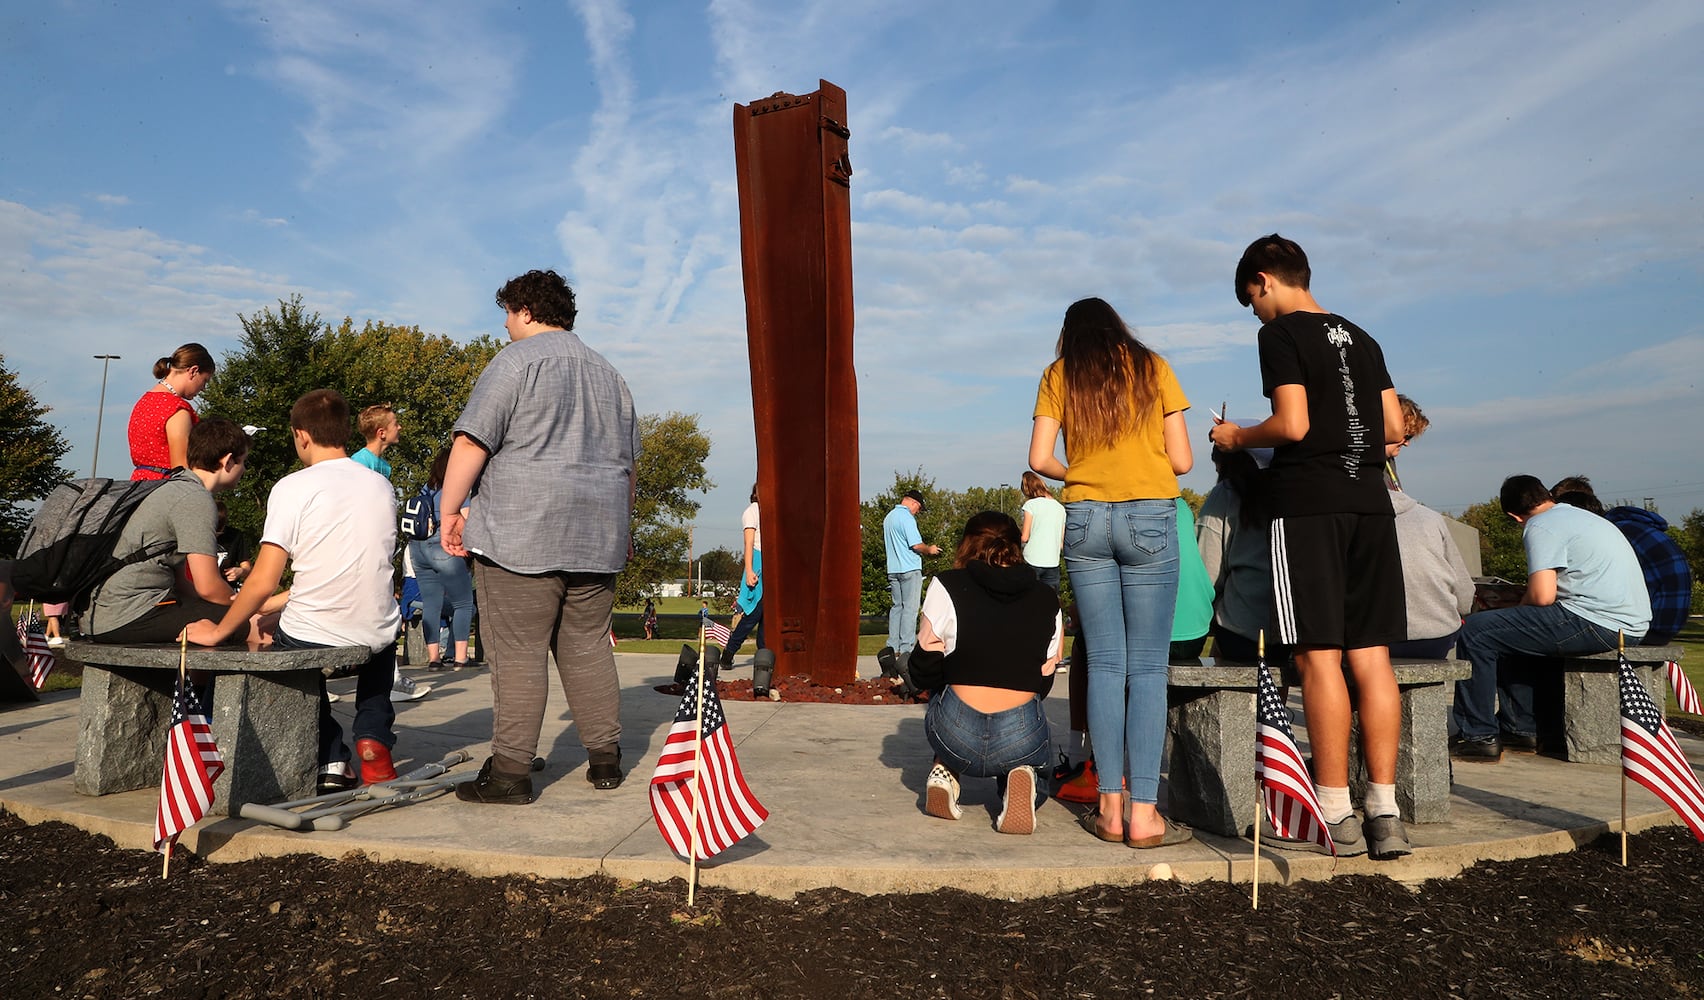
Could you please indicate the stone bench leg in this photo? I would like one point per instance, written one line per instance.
(1591, 710)
(121, 740)
(1210, 784)
(267, 727)
(1422, 755)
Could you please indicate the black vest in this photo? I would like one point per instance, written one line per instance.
(1005, 624)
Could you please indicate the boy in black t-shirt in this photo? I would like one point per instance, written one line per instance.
(1337, 572)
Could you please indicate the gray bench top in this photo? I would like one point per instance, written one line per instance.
(1212, 672)
(1636, 654)
(217, 659)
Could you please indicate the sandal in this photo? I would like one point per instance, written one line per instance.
(1175, 833)
(1090, 822)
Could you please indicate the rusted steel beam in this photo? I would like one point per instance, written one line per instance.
(790, 152)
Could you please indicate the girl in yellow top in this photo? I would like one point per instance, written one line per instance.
(1121, 411)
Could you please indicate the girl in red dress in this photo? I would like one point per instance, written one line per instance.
(161, 419)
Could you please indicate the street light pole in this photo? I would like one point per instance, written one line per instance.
(105, 360)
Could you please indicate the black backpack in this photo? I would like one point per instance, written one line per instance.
(416, 521)
(68, 550)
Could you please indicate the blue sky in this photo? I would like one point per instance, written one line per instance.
(1505, 195)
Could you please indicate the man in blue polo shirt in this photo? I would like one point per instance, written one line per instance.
(905, 552)
(1584, 587)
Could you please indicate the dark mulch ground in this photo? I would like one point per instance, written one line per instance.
(80, 918)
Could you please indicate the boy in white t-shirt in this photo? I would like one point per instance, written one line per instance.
(333, 522)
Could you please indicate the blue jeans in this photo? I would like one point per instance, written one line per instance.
(1048, 575)
(973, 743)
(751, 620)
(1123, 560)
(907, 592)
(442, 577)
(375, 716)
(1493, 640)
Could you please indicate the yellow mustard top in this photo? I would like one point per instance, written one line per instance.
(1135, 467)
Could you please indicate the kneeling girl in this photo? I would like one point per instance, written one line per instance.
(988, 647)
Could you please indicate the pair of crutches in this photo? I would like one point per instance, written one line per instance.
(332, 810)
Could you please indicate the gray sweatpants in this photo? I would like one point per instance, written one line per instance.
(522, 618)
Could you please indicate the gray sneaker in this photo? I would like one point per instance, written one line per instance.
(405, 689)
(1346, 834)
(1387, 838)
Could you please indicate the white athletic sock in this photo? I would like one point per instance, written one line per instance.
(1381, 800)
(1334, 803)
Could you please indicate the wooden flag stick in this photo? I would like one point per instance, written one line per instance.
(697, 777)
(1262, 651)
(183, 673)
(1621, 652)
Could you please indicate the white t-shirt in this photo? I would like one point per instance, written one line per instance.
(749, 520)
(337, 522)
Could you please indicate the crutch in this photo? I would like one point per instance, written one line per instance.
(332, 807)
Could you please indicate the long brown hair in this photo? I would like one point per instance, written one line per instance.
(1109, 376)
(990, 537)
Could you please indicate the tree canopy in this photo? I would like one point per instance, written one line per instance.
(30, 450)
(1500, 550)
(670, 470)
(286, 352)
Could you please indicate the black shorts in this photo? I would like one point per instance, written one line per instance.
(163, 622)
(1337, 581)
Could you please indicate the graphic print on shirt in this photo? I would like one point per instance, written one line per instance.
(1358, 429)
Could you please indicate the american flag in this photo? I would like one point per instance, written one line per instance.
(1285, 786)
(193, 763)
(728, 811)
(1684, 693)
(39, 654)
(716, 632)
(1650, 756)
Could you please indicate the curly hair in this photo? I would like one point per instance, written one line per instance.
(990, 537)
(545, 294)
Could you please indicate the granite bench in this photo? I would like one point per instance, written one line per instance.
(1591, 701)
(1210, 730)
(265, 717)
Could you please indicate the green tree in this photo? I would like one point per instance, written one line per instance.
(1500, 550)
(30, 450)
(1690, 536)
(286, 352)
(721, 566)
(670, 469)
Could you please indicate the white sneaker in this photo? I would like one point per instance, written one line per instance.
(940, 794)
(1017, 813)
(57, 642)
(406, 690)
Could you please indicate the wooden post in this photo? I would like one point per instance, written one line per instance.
(794, 173)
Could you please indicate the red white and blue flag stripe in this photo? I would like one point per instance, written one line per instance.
(716, 632)
(1286, 788)
(37, 652)
(727, 810)
(193, 763)
(1685, 695)
(1650, 756)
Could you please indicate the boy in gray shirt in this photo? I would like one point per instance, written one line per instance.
(152, 600)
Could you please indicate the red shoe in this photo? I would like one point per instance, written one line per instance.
(1083, 787)
(376, 764)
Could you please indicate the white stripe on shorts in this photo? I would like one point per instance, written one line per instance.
(1282, 597)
